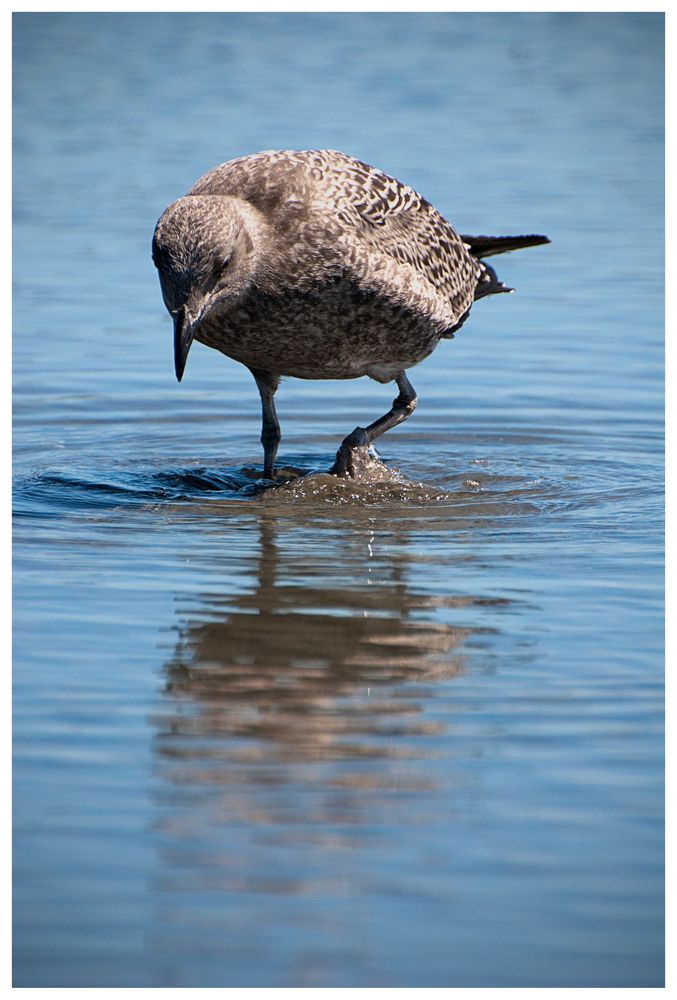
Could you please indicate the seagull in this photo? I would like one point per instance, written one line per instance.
(311, 264)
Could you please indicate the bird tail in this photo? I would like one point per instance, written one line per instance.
(485, 246)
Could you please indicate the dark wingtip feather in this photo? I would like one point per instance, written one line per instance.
(486, 246)
(489, 283)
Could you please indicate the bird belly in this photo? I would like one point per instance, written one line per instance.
(322, 336)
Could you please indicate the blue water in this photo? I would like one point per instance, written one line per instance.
(402, 733)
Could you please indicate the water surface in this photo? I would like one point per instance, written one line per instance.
(405, 732)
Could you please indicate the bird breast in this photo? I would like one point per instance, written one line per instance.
(336, 328)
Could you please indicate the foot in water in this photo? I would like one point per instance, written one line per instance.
(356, 458)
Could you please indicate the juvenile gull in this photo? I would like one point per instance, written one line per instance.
(314, 265)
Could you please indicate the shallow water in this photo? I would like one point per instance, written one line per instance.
(401, 732)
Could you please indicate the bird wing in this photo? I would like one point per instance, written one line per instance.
(396, 221)
(391, 220)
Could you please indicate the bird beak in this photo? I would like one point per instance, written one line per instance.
(183, 337)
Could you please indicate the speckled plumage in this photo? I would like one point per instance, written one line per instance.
(314, 265)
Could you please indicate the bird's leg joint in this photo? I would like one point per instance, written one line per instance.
(270, 434)
(406, 403)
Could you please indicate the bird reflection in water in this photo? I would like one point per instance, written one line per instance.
(308, 718)
(317, 662)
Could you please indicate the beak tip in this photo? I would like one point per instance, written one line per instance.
(183, 338)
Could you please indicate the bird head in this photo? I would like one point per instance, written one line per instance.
(204, 256)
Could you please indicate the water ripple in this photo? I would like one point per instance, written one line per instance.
(499, 493)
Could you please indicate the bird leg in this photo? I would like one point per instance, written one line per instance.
(270, 426)
(353, 455)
